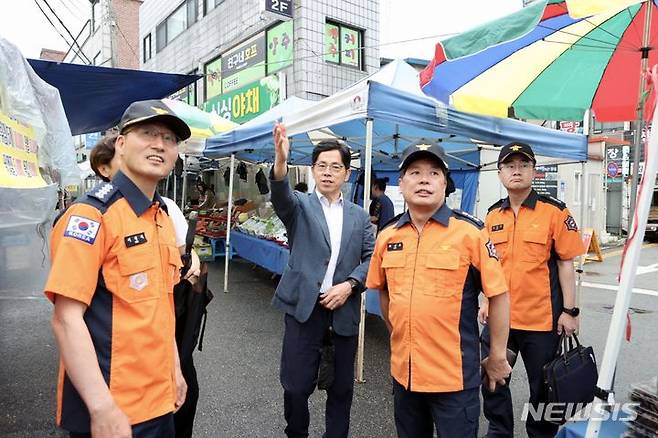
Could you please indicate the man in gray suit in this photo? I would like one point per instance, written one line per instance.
(331, 241)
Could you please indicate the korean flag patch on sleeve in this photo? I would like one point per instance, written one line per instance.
(82, 228)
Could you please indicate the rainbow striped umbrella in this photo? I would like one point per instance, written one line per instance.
(543, 63)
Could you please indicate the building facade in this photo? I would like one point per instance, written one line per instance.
(251, 59)
(110, 38)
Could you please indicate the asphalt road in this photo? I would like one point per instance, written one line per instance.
(239, 365)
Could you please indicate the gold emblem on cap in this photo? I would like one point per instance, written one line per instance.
(160, 110)
(423, 147)
(516, 148)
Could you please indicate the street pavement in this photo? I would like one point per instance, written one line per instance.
(239, 365)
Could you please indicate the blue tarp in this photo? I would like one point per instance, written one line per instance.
(94, 98)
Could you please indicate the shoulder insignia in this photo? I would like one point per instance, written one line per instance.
(570, 223)
(82, 228)
(103, 192)
(491, 249)
(496, 204)
(459, 214)
(553, 201)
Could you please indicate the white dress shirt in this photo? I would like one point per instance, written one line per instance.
(333, 214)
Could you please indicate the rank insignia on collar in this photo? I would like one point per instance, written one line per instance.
(570, 222)
(497, 227)
(134, 240)
(491, 249)
(395, 246)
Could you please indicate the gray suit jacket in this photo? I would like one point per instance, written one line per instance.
(308, 239)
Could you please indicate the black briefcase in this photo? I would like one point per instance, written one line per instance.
(572, 375)
(327, 356)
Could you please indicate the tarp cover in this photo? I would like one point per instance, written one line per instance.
(94, 98)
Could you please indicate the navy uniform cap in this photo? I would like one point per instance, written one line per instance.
(154, 111)
(423, 149)
(516, 148)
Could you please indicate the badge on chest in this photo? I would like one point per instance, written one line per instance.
(134, 240)
(394, 246)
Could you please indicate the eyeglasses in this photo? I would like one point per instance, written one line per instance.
(334, 168)
(152, 134)
(517, 166)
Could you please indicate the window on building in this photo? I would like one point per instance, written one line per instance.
(96, 14)
(147, 47)
(181, 19)
(161, 36)
(343, 44)
(187, 94)
(209, 5)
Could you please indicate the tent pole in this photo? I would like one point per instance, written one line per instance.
(583, 212)
(626, 283)
(227, 247)
(184, 189)
(366, 201)
(588, 123)
(640, 112)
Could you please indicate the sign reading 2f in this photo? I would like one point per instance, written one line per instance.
(282, 8)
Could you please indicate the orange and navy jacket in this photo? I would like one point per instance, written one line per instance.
(433, 279)
(114, 250)
(529, 246)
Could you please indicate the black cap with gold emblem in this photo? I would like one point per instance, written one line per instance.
(154, 111)
(516, 148)
(423, 149)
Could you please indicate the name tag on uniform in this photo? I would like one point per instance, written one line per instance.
(497, 227)
(134, 240)
(395, 246)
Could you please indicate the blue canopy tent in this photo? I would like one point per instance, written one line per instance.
(390, 109)
(94, 98)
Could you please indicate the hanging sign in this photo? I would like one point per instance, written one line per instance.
(19, 167)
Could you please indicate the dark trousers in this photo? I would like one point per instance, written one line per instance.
(536, 349)
(160, 427)
(454, 414)
(300, 359)
(184, 417)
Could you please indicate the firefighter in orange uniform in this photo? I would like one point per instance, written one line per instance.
(537, 239)
(430, 267)
(114, 265)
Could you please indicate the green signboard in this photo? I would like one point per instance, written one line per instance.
(244, 64)
(244, 104)
(213, 78)
(331, 43)
(279, 47)
(349, 46)
(243, 77)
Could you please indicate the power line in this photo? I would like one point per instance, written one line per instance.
(318, 55)
(75, 14)
(67, 29)
(51, 23)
